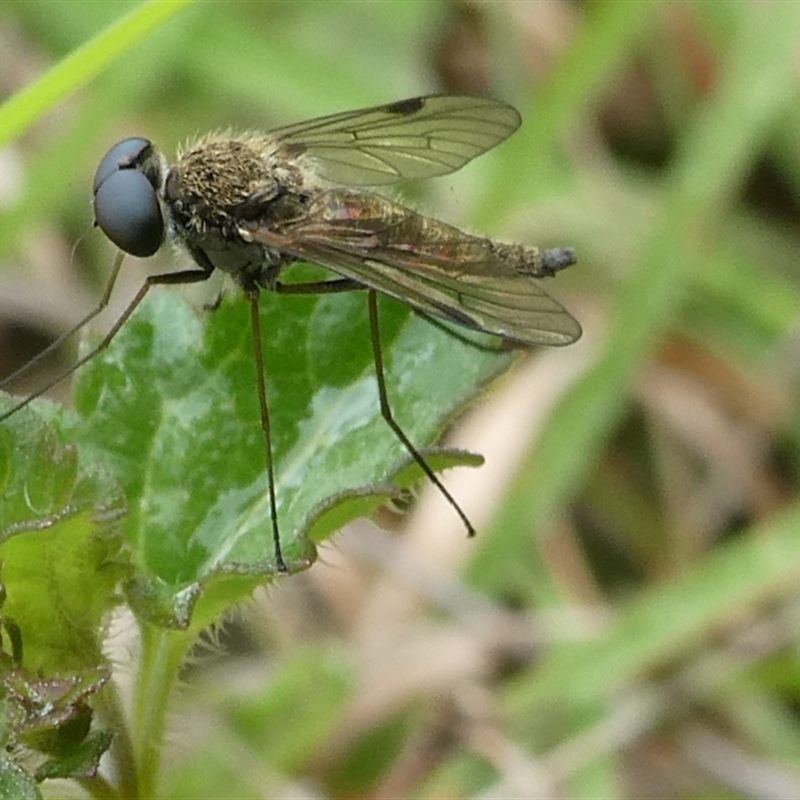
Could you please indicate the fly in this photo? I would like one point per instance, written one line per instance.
(252, 204)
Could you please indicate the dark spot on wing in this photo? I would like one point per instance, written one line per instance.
(410, 106)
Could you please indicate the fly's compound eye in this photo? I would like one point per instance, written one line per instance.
(125, 201)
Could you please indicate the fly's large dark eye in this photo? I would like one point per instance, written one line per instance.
(125, 202)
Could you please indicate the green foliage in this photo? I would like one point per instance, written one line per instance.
(60, 546)
(152, 493)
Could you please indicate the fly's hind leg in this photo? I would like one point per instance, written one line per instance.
(386, 413)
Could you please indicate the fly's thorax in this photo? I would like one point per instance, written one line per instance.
(220, 182)
(223, 179)
(211, 180)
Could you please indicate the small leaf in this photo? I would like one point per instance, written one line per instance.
(82, 761)
(61, 549)
(47, 705)
(52, 716)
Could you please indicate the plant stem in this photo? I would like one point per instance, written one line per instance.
(162, 653)
(98, 787)
(110, 710)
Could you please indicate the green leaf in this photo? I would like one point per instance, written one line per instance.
(171, 407)
(16, 783)
(82, 761)
(60, 545)
(51, 714)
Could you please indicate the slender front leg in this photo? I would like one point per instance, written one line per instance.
(165, 279)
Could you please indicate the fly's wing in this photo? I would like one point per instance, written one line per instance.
(428, 265)
(416, 138)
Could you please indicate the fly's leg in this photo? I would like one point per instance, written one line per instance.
(165, 279)
(347, 285)
(386, 413)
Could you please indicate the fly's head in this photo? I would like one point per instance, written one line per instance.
(126, 196)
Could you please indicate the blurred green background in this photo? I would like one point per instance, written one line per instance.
(626, 623)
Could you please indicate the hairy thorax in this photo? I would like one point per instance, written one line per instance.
(220, 182)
